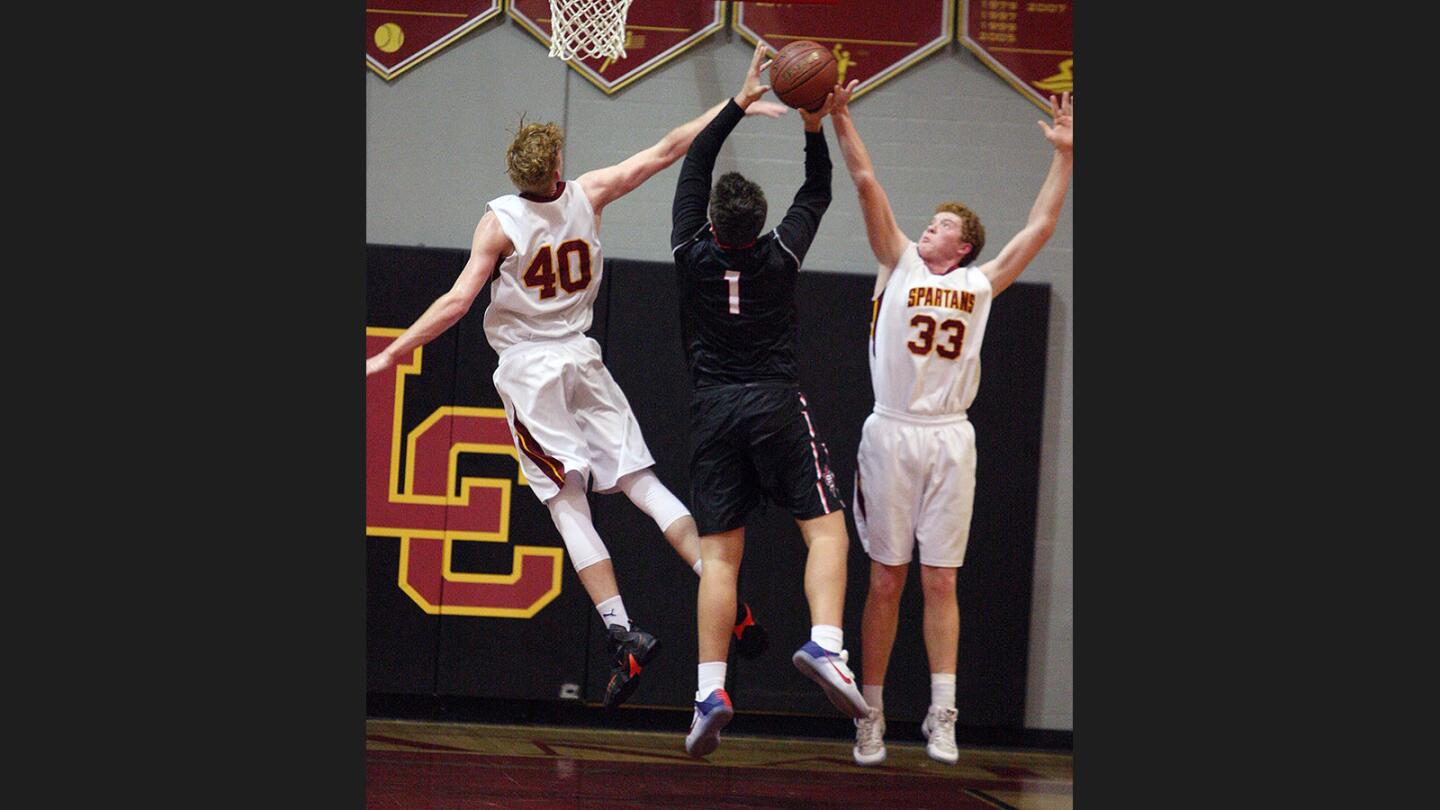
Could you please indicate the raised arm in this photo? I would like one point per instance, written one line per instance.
(1017, 253)
(692, 190)
(802, 219)
(887, 241)
(488, 244)
(603, 186)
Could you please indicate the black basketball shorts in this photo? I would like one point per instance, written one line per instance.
(754, 441)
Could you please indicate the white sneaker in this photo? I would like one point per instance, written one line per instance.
(870, 738)
(711, 715)
(830, 671)
(939, 729)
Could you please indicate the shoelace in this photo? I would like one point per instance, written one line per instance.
(870, 736)
(944, 723)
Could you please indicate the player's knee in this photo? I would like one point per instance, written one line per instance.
(937, 583)
(650, 496)
(887, 582)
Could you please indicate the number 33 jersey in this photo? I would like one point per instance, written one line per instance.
(925, 334)
(546, 289)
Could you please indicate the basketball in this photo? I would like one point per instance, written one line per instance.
(803, 73)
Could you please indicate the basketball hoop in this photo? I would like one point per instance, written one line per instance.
(581, 28)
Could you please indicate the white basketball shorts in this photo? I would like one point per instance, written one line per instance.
(915, 483)
(568, 415)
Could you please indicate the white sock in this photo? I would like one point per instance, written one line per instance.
(828, 636)
(712, 677)
(942, 690)
(612, 611)
(872, 695)
(697, 566)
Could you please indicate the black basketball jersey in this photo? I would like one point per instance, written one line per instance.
(737, 303)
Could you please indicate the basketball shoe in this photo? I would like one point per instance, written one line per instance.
(870, 738)
(750, 638)
(830, 671)
(711, 714)
(939, 730)
(632, 650)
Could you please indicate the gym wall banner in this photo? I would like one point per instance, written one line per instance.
(400, 34)
(656, 31)
(1028, 44)
(414, 501)
(869, 45)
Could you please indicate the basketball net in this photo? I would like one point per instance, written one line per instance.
(593, 28)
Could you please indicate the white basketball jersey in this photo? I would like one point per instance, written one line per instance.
(925, 335)
(546, 289)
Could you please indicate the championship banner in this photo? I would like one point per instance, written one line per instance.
(400, 34)
(872, 41)
(1028, 44)
(656, 31)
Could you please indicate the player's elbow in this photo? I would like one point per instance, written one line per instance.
(1041, 229)
(456, 303)
(670, 149)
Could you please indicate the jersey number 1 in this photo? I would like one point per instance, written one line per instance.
(541, 272)
(732, 277)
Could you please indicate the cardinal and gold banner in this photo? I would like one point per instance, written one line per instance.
(872, 42)
(1028, 43)
(400, 34)
(656, 31)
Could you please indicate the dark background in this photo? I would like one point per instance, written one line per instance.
(636, 322)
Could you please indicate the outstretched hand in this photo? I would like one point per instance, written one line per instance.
(753, 89)
(813, 119)
(377, 364)
(1062, 134)
(842, 97)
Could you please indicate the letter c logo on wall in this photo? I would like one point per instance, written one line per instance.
(418, 504)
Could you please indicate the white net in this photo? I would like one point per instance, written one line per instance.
(588, 28)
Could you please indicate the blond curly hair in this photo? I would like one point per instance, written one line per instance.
(970, 228)
(531, 159)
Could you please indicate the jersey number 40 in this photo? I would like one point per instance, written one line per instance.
(542, 271)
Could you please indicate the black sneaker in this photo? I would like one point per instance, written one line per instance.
(750, 638)
(632, 650)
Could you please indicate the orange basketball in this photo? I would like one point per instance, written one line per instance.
(803, 73)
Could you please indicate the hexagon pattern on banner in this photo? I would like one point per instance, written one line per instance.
(656, 31)
(873, 42)
(1029, 44)
(400, 34)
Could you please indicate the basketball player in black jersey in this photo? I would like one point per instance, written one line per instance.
(752, 435)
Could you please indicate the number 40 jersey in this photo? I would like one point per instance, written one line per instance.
(925, 334)
(546, 289)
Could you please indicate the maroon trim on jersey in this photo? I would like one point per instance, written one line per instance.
(559, 189)
(551, 466)
(946, 273)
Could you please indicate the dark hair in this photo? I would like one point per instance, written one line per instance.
(737, 209)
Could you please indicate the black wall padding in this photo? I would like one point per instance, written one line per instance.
(637, 324)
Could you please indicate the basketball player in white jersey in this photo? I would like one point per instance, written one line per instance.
(570, 421)
(915, 475)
